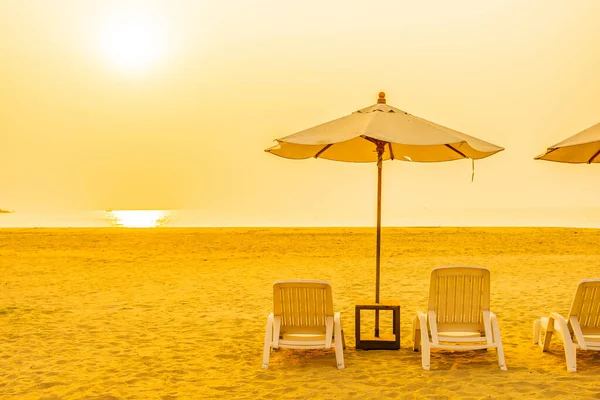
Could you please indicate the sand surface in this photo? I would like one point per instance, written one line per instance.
(180, 313)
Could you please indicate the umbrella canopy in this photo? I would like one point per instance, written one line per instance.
(377, 133)
(583, 147)
(405, 137)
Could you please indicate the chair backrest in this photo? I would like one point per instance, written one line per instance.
(302, 304)
(586, 304)
(459, 295)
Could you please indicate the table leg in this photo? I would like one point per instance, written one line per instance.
(357, 327)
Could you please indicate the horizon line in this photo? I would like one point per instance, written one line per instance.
(305, 227)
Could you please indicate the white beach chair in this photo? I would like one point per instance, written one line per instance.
(581, 328)
(458, 316)
(303, 318)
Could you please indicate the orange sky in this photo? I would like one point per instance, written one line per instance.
(187, 129)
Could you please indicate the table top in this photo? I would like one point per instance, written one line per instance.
(382, 303)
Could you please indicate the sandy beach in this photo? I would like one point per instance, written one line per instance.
(180, 313)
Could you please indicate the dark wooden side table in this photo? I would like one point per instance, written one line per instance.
(384, 341)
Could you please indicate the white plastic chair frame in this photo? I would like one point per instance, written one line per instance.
(303, 318)
(458, 316)
(581, 330)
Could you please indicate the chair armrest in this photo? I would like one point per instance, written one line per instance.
(557, 317)
(423, 322)
(562, 324)
(337, 318)
(558, 322)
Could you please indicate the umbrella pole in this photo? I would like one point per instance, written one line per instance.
(380, 150)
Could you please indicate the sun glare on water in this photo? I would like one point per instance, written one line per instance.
(138, 218)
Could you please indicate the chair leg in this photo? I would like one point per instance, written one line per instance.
(545, 339)
(562, 332)
(425, 349)
(339, 341)
(498, 341)
(268, 341)
(556, 324)
(416, 334)
(570, 357)
(537, 328)
(425, 355)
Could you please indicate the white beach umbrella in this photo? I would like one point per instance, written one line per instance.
(377, 133)
(583, 147)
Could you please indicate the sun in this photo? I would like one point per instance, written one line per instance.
(132, 41)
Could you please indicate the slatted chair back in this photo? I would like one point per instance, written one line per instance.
(459, 296)
(302, 305)
(586, 305)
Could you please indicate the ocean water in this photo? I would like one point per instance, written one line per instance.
(543, 217)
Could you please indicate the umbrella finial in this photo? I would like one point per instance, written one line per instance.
(381, 99)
